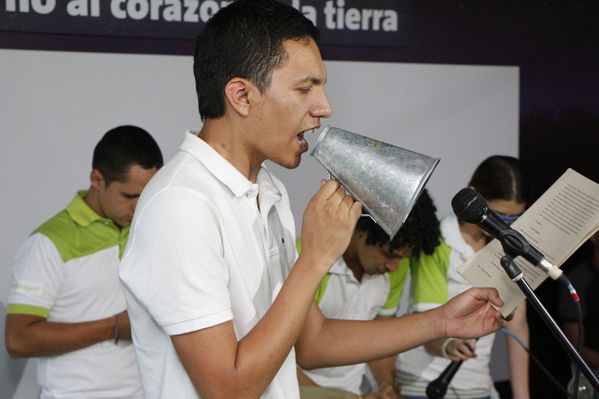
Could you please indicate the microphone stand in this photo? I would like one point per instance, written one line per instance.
(514, 272)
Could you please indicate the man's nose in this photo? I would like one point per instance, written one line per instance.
(323, 108)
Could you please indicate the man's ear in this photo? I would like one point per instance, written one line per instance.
(237, 94)
(96, 178)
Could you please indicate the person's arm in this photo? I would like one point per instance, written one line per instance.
(589, 355)
(383, 371)
(37, 276)
(456, 349)
(33, 336)
(328, 342)
(517, 356)
(221, 366)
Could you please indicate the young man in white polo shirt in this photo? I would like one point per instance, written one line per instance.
(217, 298)
(367, 283)
(66, 307)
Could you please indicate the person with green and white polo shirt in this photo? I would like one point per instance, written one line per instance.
(65, 305)
(367, 283)
(501, 181)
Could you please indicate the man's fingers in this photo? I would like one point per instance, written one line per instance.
(489, 294)
(348, 201)
(356, 210)
(327, 189)
(333, 192)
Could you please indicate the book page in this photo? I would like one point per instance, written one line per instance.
(561, 220)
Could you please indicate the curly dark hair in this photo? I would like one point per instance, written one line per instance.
(420, 230)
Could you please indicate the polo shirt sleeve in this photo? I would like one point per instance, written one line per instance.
(429, 279)
(397, 280)
(37, 275)
(174, 264)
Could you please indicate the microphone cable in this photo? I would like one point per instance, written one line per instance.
(535, 359)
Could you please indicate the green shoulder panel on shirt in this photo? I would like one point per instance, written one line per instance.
(429, 276)
(75, 241)
(397, 280)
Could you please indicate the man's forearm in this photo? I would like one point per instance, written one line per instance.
(221, 366)
(341, 342)
(32, 336)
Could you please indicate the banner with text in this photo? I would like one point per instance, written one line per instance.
(380, 23)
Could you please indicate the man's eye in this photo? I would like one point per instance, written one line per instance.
(305, 89)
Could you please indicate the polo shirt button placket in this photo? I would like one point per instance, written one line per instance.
(252, 195)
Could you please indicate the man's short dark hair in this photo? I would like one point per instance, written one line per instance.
(122, 147)
(420, 230)
(244, 39)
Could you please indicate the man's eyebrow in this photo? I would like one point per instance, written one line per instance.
(312, 79)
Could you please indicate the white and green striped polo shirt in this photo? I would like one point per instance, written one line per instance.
(341, 296)
(435, 280)
(67, 272)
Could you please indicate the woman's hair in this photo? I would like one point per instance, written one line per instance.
(500, 177)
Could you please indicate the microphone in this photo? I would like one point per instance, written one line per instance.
(436, 389)
(471, 207)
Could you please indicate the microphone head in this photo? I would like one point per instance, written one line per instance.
(469, 205)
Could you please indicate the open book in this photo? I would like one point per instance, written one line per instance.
(565, 216)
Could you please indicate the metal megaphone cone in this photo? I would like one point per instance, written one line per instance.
(387, 180)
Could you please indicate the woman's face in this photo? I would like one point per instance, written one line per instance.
(508, 210)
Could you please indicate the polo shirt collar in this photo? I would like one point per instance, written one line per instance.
(267, 185)
(224, 171)
(340, 267)
(80, 212)
(450, 231)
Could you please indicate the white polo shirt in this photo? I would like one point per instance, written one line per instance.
(202, 251)
(342, 296)
(435, 280)
(67, 272)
